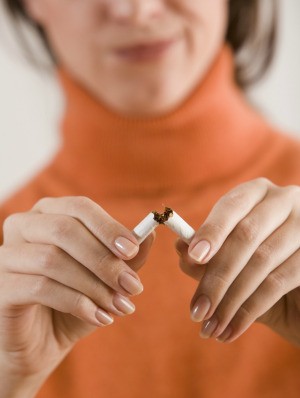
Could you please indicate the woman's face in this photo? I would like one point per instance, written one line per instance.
(139, 57)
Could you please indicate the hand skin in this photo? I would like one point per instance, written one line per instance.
(249, 270)
(61, 271)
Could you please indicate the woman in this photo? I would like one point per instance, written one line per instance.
(153, 115)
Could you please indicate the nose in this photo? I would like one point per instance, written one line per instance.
(134, 11)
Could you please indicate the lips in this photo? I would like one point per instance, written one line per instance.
(145, 51)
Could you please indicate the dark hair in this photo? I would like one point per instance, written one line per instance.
(244, 34)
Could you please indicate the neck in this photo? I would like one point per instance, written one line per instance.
(210, 136)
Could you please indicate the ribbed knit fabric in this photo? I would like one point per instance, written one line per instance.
(186, 160)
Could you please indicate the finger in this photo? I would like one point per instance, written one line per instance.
(224, 217)
(106, 229)
(235, 253)
(72, 237)
(11, 234)
(274, 251)
(282, 280)
(186, 264)
(139, 260)
(52, 262)
(20, 291)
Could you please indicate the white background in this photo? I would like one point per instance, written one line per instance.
(31, 103)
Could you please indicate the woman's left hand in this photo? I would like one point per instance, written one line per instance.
(246, 256)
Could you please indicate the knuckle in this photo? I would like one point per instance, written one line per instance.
(101, 294)
(39, 287)
(234, 198)
(62, 227)
(103, 260)
(41, 203)
(105, 228)
(263, 181)
(79, 304)
(219, 277)
(246, 231)
(80, 203)
(262, 254)
(243, 316)
(212, 228)
(293, 191)
(275, 281)
(108, 268)
(10, 222)
(96, 289)
(49, 257)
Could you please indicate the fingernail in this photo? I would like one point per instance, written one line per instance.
(103, 317)
(122, 304)
(225, 335)
(130, 283)
(201, 308)
(209, 327)
(126, 247)
(200, 251)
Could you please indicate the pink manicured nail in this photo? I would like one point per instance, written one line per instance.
(103, 317)
(126, 247)
(201, 308)
(200, 251)
(130, 283)
(122, 304)
(209, 327)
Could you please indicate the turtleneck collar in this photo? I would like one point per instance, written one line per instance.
(213, 134)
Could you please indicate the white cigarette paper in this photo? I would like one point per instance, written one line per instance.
(145, 227)
(174, 222)
(180, 227)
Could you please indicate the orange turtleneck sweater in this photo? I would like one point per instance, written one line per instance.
(187, 160)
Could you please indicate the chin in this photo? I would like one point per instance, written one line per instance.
(148, 107)
(142, 94)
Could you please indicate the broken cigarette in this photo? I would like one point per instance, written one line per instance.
(169, 218)
(145, 227)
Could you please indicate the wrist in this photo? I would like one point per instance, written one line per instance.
(19, 386)
(28, 387)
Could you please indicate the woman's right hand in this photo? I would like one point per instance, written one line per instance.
(66, 267)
